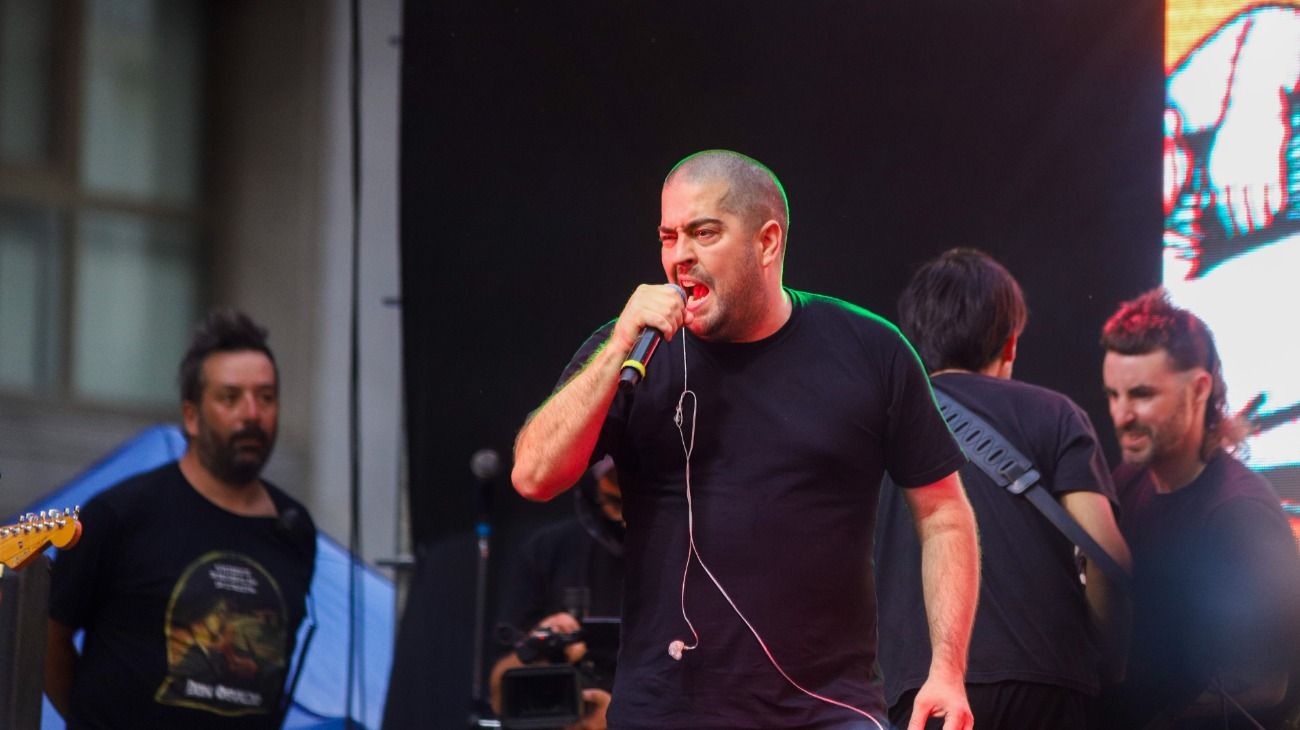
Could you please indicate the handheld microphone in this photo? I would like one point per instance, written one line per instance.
(639, 357)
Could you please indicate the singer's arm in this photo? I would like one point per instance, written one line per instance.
(555, 444)
(945, 525)
(553, 447)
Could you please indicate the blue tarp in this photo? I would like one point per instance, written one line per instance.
(319, 702)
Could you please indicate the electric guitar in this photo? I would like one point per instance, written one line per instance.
(24, 540)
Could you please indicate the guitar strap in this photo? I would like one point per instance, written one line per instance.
(1008, 468)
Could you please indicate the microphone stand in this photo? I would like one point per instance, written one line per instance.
(485, 464)
(484, 530)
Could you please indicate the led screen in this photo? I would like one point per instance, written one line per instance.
(1232, 219)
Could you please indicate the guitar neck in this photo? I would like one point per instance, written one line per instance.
(21, 542)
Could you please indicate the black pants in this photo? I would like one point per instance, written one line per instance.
(1011, 706)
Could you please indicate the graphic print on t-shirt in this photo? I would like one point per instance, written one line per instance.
(226, 637)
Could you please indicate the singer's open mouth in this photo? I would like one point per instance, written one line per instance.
(695, 291)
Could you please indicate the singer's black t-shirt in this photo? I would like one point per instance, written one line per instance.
(191, 612)
(792, 436)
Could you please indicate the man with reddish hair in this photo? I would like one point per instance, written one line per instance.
(1215, 567)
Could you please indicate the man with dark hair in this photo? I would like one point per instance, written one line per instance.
(750, 459)
(1215, 565)
(1040, 637)
(189, 580)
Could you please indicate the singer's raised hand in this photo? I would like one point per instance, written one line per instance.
(657, 306)
(554, 447)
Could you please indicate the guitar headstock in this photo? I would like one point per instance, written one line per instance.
(23, 540)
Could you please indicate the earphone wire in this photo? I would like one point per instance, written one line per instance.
(692, 551)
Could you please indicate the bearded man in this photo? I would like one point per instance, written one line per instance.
(1215, 565)
(189, 580)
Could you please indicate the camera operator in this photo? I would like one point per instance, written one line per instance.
(565, 573)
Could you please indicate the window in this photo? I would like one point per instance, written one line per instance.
(100, 195)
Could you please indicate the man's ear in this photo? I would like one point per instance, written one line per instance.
(1009, 349)
(771, 242)
(190, 418)
(1202, 384)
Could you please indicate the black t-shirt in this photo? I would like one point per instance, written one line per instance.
(1033, 622)
(555, 559)
(1215, 576)
(792, 436)
(190, 611)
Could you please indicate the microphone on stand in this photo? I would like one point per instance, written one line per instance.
(646, 342)
(485, 464)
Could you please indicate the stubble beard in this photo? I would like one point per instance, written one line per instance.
(1164, 439)
(1139, 458)
(234, 465)
(740, 310)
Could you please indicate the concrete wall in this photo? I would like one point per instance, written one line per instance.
(380, 379)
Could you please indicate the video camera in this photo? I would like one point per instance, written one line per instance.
(550, 695)
(545, 644)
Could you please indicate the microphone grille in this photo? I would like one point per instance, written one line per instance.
(485, 464)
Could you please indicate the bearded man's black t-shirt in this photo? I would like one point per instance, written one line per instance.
(190, 612)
